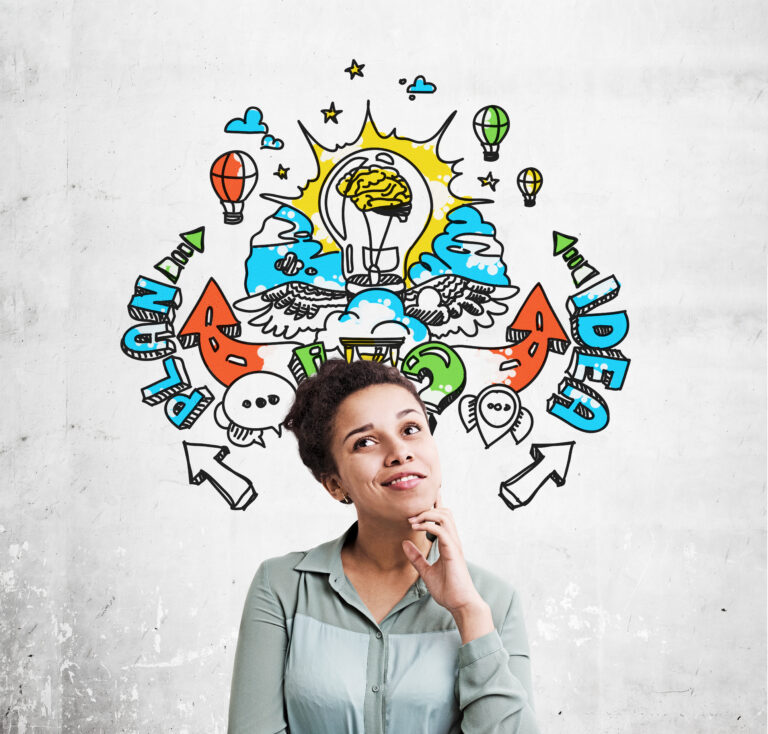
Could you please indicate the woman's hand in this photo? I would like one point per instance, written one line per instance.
(448, 579)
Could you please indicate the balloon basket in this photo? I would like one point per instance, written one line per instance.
(233, 218)
(490, 156)
(530, 202)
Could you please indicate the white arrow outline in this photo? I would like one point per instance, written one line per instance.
(558, 476)
(222, 477)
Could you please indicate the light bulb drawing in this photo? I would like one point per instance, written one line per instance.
(491, 125)
(233, 176)
(529, 182)
(375, 204)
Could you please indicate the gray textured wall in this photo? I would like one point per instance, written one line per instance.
(121, 586)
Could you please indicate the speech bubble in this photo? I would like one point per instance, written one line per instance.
(495, 411)
(252, 404)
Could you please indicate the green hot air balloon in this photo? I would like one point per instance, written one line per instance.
(491, 124)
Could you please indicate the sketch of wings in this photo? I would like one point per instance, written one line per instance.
(289, 308)
(448, 304)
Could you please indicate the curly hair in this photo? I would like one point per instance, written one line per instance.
(318, 398)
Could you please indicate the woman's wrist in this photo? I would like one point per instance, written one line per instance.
(473, 620)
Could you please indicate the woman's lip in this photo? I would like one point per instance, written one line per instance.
(405, 484)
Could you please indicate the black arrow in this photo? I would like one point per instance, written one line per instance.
(205, 462)
(550, 461)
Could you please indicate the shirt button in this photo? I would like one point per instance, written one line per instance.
(375, 689)
(378, 635)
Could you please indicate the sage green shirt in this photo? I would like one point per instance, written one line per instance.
(312, 660)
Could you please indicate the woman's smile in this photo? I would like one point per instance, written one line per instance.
(384, 450)
(404, 481)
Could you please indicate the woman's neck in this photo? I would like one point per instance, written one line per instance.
(378, 546)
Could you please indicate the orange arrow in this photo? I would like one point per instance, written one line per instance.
(534, 332)
(212, 326)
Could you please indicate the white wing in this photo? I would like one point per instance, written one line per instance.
(449, 304)
(287, 309)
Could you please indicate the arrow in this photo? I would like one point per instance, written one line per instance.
(550, 461)
(205, 461)
(212, 326)
(195, 238)
(534, 332)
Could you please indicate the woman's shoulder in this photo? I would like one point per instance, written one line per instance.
(281, 574)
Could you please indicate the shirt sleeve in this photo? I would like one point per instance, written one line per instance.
(494, 681)
(256, 703)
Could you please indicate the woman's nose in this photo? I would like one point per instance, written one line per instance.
(398, 452)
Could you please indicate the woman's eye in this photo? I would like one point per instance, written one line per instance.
(412, 428)
(362, 443)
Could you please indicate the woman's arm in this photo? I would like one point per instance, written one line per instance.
(256, 701)
(494, 681)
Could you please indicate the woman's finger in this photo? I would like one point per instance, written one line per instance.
(439, 513)
(442, 516)
(436, 529)
(416, 557)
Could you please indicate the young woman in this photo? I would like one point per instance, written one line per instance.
(387, 628)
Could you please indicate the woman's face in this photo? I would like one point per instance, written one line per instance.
(386, 458)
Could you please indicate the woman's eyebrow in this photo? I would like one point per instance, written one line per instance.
(366, 427)
(406, 411)
(369, 426)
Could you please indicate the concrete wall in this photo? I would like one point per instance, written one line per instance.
(643, 576)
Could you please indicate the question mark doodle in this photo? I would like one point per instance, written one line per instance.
(446, 373)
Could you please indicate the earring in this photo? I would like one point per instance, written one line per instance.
(347, 500)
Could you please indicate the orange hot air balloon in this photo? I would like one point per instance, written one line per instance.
(233, 176)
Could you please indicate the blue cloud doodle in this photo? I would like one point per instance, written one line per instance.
(281, 254)
(421, 86)
(467, 247)
(376, 313)
(396, 311)
(250, 123)
(268, 141)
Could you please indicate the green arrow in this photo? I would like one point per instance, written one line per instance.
(195, 238)
(563, 242)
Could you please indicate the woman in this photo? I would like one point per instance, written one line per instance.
(385, 629)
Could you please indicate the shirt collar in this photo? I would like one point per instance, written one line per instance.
(326, 558)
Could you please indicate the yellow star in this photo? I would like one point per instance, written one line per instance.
(281, 171)
(331, 114)
(355, 69)
(488, 180)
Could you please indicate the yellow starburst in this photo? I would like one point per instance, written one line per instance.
(422, 154)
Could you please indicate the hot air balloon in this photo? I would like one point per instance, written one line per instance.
(529, 182)
(491, 124)
(233, 176)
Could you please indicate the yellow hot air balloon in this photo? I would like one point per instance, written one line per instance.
(529, 182)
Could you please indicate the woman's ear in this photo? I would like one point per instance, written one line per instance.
(333, 486)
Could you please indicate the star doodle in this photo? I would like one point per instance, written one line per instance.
(488, 180)
(331, 114)
(355, 69)
(282, 171)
